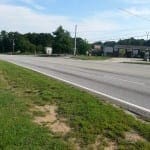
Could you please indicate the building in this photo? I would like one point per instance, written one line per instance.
(96, 51)
(48, 50)
(130, 50)
(108, 51)
(97, 47)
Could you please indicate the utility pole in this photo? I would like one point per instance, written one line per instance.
(13, 45)
(147, 51)
(35, 52)
(147, 35)
(75, 41)
(1, 38)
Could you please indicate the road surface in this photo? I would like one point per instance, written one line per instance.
(127, 85)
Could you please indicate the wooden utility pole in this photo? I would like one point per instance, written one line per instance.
(75, 41)
(147, 35)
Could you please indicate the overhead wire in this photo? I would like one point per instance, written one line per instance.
(86, 32)
(133, 14)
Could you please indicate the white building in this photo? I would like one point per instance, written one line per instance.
(48, 50)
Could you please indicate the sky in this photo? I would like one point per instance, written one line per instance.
(97, 20)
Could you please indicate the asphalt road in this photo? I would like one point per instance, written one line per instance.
(127, 85)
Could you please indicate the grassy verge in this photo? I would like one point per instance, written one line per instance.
(84, 57)
(93, 123)
(139, 63)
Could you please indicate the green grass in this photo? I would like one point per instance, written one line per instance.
(139, 63)
(84, 57)
(88, 116)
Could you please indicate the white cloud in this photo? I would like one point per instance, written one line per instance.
(34, 4)
(139, 11)
(138, 1)
(22, 19)
(31, 3)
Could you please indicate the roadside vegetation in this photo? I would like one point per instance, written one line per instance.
(30, 43)
(84, 57)
(60, 41)
(38, 112)
(139, 63)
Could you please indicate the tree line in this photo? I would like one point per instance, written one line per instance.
(130, 41)
(60, 40)
(29, 43)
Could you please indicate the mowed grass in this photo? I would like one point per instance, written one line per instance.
(138, 63)
(90, 118)
(84, 57)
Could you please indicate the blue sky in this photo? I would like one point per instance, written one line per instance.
(96, 19)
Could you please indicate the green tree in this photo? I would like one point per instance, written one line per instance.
(132, 41)
(2, 36)
(41, 40)
(25, 46)
(109, 43)
(82, 46)
(62, 42)
(6, 41)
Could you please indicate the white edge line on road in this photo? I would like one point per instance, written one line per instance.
(86, 88)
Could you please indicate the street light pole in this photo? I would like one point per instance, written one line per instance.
(13, 45)
(75, 41)
(1, 38)
(147, 35)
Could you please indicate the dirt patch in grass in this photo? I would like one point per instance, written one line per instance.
(59, 126)
(103, 143)
(74, 144)
(3, 81)
(96, 145)
(49, 112)
(111, 146)
(133, 136)
(49, 118)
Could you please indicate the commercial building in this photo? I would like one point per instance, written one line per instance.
(130, 50)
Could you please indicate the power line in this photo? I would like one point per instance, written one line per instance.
(115, 34)
(119, 38)
(120, 30)
(133, 14)
(104, 32)
(106, 36)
